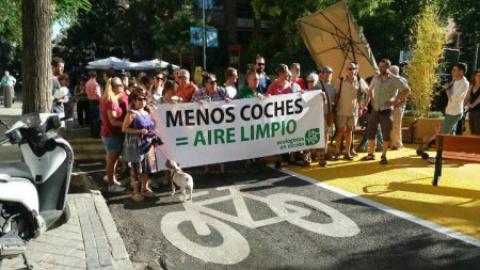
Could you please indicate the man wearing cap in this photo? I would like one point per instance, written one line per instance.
(348, 96)
(386, 92)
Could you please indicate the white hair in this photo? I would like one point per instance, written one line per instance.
(313, 76)
(394, 70)
(184, 72)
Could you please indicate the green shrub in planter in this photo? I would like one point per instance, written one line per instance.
(434, 114)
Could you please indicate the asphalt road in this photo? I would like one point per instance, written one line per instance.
(275, 221)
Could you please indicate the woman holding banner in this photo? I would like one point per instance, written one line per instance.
(211, 92)
(282, 86)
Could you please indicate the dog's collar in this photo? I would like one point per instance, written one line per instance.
(176, 171)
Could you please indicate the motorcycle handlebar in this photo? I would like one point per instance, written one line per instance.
(4, 124)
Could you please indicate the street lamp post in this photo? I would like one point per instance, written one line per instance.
(204, 37)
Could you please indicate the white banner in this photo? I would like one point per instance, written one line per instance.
(216, 132)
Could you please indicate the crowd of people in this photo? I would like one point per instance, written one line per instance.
(118, 110)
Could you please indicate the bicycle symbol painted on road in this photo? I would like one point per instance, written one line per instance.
(235, 247)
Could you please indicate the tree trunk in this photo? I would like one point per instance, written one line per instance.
(36, 56)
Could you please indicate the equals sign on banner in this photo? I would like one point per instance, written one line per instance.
(181, 141)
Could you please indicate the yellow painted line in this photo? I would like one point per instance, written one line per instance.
(88, 147)
(405, 185)
(84, 140)
(88, 156)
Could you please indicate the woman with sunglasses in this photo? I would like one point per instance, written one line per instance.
(211, 92)
(157, 88)
(139, 128)
(113, 104)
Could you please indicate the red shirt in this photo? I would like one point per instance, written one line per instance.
(186, 92)
(279, 89)
(300, 82)
(121, 109)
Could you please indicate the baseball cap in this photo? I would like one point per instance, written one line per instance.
(327, 69)
(60, 93)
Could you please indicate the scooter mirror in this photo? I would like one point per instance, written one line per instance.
(54, 122)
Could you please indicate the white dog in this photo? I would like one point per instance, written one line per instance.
(180, 178)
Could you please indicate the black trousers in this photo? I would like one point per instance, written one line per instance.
(95, 121)
(83, 112)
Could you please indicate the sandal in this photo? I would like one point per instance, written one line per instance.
(383, 160)
(336, 157)
(328, 157)
(368, 157)
(137, 197)
(347, 157)
(322, 163)
(148, 193)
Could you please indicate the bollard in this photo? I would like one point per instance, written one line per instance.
(7, 96)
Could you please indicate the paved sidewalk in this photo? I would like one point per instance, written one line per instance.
(89, 240)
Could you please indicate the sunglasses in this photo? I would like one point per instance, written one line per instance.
(351, 68)
(159, 78)
(260, 64)
(141, 99)
(310, 81)
(212, 82)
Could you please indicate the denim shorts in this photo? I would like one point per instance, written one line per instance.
(113, 144)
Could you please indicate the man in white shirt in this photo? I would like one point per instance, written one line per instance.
(231, 77)
(456, 93)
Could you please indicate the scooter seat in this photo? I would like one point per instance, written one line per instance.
(16, 169)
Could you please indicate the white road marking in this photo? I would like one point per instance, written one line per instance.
(234, 247)
(433, 226)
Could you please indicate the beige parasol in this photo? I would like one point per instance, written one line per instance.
(333, 38)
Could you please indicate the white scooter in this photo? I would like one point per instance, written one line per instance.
(33, 193)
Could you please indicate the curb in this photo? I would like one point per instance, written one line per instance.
(118, 254)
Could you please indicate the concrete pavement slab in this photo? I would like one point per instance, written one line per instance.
(82, 243)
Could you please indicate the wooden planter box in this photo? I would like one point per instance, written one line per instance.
(424, 127)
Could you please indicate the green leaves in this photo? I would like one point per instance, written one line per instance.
(427, 40)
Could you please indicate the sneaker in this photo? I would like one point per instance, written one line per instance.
(116, 189)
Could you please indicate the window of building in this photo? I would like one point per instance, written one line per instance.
(244, 37)
(209, 4)
(244, 10)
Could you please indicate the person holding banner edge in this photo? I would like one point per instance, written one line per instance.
(312, 85)
(282, 86)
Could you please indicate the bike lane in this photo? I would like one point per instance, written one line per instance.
(278, 221)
